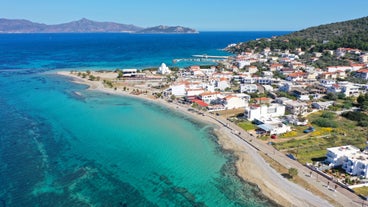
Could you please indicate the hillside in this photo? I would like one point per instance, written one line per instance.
(83, 26)
(352, 34)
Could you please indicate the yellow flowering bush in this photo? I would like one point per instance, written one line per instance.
(290, 134)
(322, 131)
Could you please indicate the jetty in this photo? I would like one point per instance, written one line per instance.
(202, 58)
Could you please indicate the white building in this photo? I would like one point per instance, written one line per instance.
(322, 105)
(337, 155)
(248, 88)
(234, 102)
(163, 69)
(268, 88)
(296, 107)
(278, 128)
(242, 63)
(327, 82)
(208, 97)
(194, 92)
(264, 112)
(181, 88)
(223, 84)
(129, 72)
(178, 90)
(350, 90)
(363, 74)
(333, 69)
(248, 80)
(350, 158)
(208, 71)
(252, 69)
(363, 58)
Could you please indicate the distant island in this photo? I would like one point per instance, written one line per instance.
(167, 29)
(86, 26)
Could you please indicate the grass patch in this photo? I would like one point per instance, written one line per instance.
(246, 125)
(308, 147)
(362, 191)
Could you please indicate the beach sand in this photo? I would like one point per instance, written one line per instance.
(250, 165)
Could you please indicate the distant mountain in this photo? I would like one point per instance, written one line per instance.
(168, 29)
(352, 33)
(80, 26)
(88, 26)
(83, 26)
(20, 26)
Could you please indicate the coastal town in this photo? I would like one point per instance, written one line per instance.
(274, 98)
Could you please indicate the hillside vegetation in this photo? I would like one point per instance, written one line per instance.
(349, 34)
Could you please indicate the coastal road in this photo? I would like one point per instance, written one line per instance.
(341, 195)
(297, 195)
(293, 193)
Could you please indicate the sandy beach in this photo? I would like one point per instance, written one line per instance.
(250, 165)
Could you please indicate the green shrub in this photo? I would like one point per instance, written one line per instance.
(324, 122)
(328, 115)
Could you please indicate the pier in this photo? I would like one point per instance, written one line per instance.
(202, 58)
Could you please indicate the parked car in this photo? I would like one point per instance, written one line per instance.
(273, 136)
(291, 156)
(310, 129)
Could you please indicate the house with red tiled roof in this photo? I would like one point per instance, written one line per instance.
(208, 97)
(355, 67)
(252, 69)
(336, 68)
(287, 71)
(262, 100)
(362, 73)
(333, 75)
(328, 75)
(200, 103)
(193, 92)
(194, 67)
(276, 66)
(296, 76)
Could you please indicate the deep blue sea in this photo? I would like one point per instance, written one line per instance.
(63, 145)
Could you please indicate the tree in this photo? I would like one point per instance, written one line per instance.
(92, 78)
(361, 98)
(341, 95)
(173, 97)
(293, 172)
(363, 101)
(120, 74)
(331, 96)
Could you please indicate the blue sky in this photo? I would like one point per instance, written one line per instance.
(203, 15)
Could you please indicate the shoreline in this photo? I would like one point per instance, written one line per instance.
(245, 155)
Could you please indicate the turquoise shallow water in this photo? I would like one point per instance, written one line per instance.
(63, 145)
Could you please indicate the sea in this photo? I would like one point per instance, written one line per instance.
(64, 145)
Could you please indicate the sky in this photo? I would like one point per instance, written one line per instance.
(203, 15)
